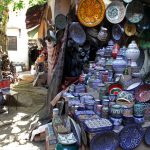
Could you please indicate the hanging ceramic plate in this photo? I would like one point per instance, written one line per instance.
(105, 141)
(131, 136)
(77, 33)
(130, 29)
(91, 12)
(60, 21)
(142, 94)
(127, 1)
(117, 32)
(144, 24)
(135, 11)
(115, 12)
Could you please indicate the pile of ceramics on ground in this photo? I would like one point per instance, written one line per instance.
(112, 96)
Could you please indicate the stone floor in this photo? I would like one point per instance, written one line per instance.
(14, 126)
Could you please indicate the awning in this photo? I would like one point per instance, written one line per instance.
(33, 32)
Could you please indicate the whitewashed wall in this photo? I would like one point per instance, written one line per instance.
(16, 22)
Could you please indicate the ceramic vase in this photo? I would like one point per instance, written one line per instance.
(119, 65)
(139, 110)
(127, 111)
(116, 111)
(133, 53)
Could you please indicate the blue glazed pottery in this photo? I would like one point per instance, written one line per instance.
(139, 110)
(127, 120)
(105, 141)
(119, 65)
(139, 120)
(66, 147)
(116, 111)
(131, 136)
(147, 136)
(127, 111)
(116, 121)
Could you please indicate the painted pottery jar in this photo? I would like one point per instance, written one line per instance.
(101, 62)
(105, 102)
(108, 64)
(139, 110)
(102, 90)
(103, 34)
(127, 111)
(116, 111)
(119, 65)
(115, 50)
(122, 52)
(133, 53)
(105, 111)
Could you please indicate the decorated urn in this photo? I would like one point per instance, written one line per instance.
(133, 53)
(119, 65)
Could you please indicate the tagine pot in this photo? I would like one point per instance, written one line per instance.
(119, 65)
(133, 53)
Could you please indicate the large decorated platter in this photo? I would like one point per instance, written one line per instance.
(91, 12)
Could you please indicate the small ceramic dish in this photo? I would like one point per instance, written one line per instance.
(131, 136)
(115, 12)
(105, 141)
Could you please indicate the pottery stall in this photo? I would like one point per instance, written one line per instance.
(109, 106)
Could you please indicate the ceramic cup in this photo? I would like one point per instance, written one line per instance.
(139, 110)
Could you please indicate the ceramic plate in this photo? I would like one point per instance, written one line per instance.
(60, 21)
(135, 11)
(132, 84)
(117, 32)
(130, 29)
(131, 136)
(115, 88)
(105, 141)
(77, 33)
(142, 94)
(147, 136)
(91, 12)
(115, 12)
